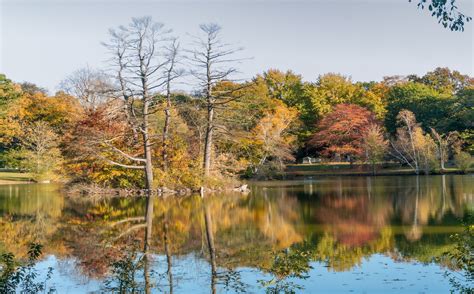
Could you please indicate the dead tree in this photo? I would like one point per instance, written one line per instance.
(172, 73)
(139, 62)
(212, 60)
(405, 146)
(91, 87)
(443, 144)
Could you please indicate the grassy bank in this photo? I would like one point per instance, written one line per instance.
(10, 177)
(346, 169)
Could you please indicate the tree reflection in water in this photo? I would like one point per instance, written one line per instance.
(125, 272)
(278, 230)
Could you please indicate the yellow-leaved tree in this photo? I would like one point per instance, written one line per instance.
(273, 134)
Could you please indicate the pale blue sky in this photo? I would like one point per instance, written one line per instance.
(43, 41)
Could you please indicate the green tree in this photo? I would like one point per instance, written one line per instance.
(461, 117)
(444, 80)
(429, 106)
(9, 92)
(289, 88)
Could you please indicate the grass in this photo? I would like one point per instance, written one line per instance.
(8, 177)
(355, 169)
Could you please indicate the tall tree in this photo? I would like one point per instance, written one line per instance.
(139, 66)
(213, 60)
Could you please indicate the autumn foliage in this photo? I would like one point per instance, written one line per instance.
(265, 123)
(342, 131)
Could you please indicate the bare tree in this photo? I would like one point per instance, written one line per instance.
(139, 61)
(91, 87)
(404, 147)
(213, 61)
(412, 146)
(171, 73)
(443, 144)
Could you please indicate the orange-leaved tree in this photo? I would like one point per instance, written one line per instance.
(342, 131)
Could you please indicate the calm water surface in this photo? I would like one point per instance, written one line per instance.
(324, 235)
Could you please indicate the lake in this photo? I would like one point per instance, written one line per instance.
(321, 235)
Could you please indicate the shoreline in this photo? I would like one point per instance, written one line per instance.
(308, 170)
(13, 182)
(367, 174)
(95, 191)
(13, 177)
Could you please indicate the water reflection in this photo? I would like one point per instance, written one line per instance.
(280, 229)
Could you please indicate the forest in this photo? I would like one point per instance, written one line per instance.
(124, 125)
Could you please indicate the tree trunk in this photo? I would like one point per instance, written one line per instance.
(165, 137)
(208, 141)
(166, 127)
(441, 158)
(147, 149)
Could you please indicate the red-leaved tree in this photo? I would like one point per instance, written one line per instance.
(342, 131)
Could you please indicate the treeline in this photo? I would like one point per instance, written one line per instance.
(126, 127)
